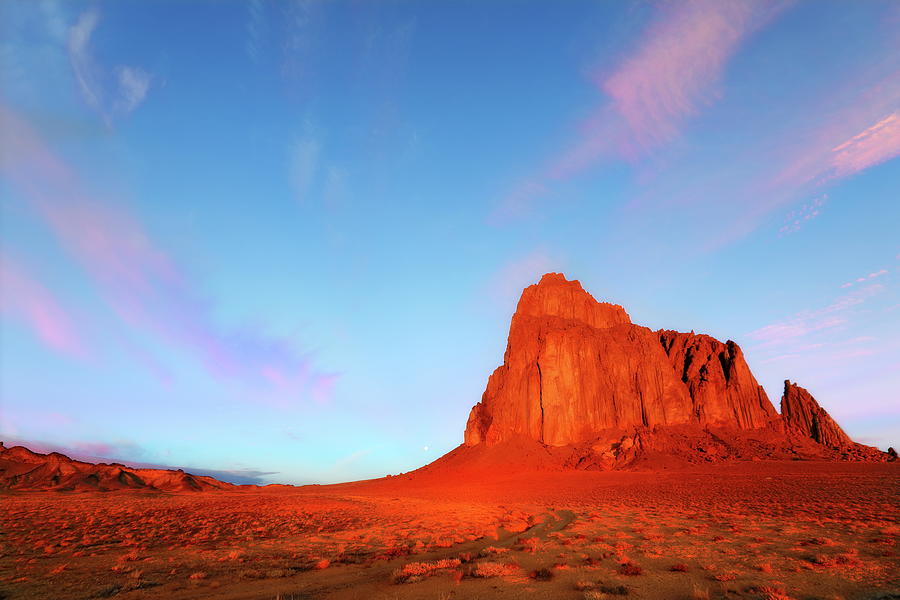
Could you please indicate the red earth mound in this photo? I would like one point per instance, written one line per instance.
(22, 469)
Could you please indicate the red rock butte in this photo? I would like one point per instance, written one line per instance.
(577, 373)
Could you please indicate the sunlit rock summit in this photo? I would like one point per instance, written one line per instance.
(577, 373)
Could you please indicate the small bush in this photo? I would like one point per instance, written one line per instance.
(543, 574)
(770, 593)
(614, 590)
(630, 569)
(699, 593)
(417, 571)
(494, 569)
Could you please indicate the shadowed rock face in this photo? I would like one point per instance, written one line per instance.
(803, 415)
(574, 366)
(722, 388)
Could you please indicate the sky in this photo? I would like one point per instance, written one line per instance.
(282, 241)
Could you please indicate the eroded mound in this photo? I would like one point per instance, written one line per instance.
(22, 469)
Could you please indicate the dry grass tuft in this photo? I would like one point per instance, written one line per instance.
(699, 593)
(416, 571)
(494, 569)
(771, 593)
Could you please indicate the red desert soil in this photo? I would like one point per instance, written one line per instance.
(765, 530)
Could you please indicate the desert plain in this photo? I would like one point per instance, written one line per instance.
(768, 530)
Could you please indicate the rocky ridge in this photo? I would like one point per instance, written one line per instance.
(22, 469)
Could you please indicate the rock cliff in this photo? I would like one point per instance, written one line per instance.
(578, 373)
(802, 415)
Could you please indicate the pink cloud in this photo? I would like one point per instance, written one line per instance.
(798, 217)
(677, 65)
(27, 299)
(670, 75)
(875, 145)
(810, 321)
(140, 282)
(872, 275)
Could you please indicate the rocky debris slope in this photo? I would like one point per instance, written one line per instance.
(22, 469)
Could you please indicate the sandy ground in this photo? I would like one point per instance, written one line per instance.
(770, 530)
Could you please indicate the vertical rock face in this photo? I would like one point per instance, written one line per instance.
(575, 367)
(722, 388)
(803, 415)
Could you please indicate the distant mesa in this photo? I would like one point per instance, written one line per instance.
(596, 391)
(22, 469)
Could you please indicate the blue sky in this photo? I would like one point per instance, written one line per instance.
(287, 238)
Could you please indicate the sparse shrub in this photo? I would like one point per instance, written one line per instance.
(417, 571)
(491, 550)
(630, 569)
(679, 568)
(529, 544)
(542, 574)
(817, 542)
(699, 593)
(613, 590)
(771, 593)
(494, 569)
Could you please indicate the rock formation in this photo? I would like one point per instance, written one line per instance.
(722, 388)
(22, 469)
(574, 367)
(578, 373)
(803, 415)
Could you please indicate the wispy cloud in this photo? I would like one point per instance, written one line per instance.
(677, 65)
(865, 278)
(112, 93)
(142, 284)
(25, 298)
(807, 322)
(799, 216)
(672, 73)
(875, 145)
